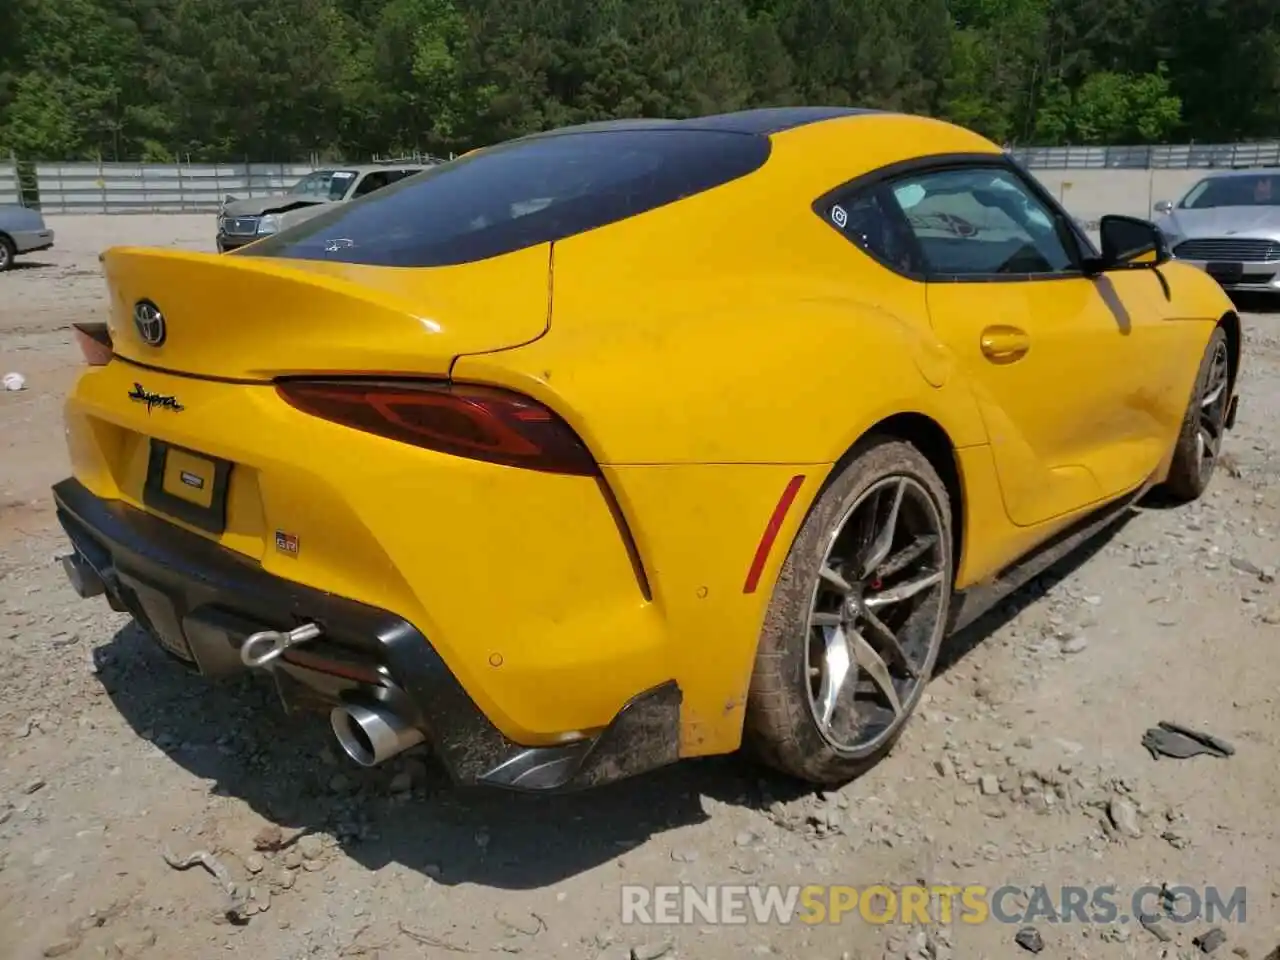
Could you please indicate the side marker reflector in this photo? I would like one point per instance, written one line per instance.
(771, 533)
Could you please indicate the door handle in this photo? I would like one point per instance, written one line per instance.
(1005, 344)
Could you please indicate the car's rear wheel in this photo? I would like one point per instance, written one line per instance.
(856, 619)
(1199, 444)
(7, 253)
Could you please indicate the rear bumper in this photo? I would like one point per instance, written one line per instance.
(32, 241)
(201, 600)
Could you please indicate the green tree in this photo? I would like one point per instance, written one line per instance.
(277, 79)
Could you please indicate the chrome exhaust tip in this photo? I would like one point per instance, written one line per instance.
(84, 579)
(370, 735)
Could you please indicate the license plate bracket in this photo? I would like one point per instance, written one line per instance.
(188, 486)
(1225, 272)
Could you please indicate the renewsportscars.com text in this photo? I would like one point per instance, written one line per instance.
(880, 904)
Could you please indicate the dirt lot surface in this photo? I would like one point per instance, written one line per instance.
(1024, 768)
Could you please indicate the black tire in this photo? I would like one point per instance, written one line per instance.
(1190, 471)
(781, 727)
(7, 253)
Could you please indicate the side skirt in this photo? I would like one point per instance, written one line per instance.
(968, 605)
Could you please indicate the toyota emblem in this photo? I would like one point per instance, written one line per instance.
(150, 322)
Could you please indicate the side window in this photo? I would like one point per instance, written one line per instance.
(339, 183)
(371, 182)
(981, 222)
(868, 220)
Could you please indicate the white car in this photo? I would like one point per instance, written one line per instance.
(241, 222)
(1228, 225)
(22, 230)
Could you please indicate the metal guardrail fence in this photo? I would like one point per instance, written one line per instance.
(196, 188)
(1157, 157)
(9, 191)
(156, 188)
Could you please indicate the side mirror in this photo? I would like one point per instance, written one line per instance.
(1129, 243)
(1164, 206)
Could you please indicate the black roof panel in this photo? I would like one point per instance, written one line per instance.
(767, 120)
(763, 121)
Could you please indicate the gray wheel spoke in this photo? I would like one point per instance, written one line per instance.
(870, 661)
(826, 620)
(883, 541)
(836, 664)
(908, 555)
(1214, 393)
(889, 640)
(1213, 409)
(1206, 443)
(902, 591)
(835, 580)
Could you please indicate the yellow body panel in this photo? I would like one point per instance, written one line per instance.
(703, 367)
(1069, 422)
(237, 310)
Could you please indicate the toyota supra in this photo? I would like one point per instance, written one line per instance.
(634, 441)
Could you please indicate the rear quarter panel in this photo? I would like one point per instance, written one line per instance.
(733, 327)
(709, 352)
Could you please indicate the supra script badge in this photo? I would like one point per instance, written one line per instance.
(140, 394)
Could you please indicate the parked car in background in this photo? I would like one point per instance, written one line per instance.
(22, 230)
(244, 221)
(1228, 224)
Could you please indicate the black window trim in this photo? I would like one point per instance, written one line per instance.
(1078, 246)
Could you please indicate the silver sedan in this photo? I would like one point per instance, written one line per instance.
(22, 230)
(1228, 224)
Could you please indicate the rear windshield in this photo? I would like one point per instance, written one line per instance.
(520, 194)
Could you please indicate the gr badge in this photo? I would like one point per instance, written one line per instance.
(287, 543)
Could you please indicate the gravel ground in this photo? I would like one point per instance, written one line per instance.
(1025, 766)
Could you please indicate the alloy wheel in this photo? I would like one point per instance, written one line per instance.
(1213, 410)
(875, 614)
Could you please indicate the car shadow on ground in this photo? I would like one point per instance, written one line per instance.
(235, 735)
(18, 266)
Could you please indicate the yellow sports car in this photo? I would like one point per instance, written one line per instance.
(632, 441)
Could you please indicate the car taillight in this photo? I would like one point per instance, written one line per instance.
(94, 340)
(481, 423)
